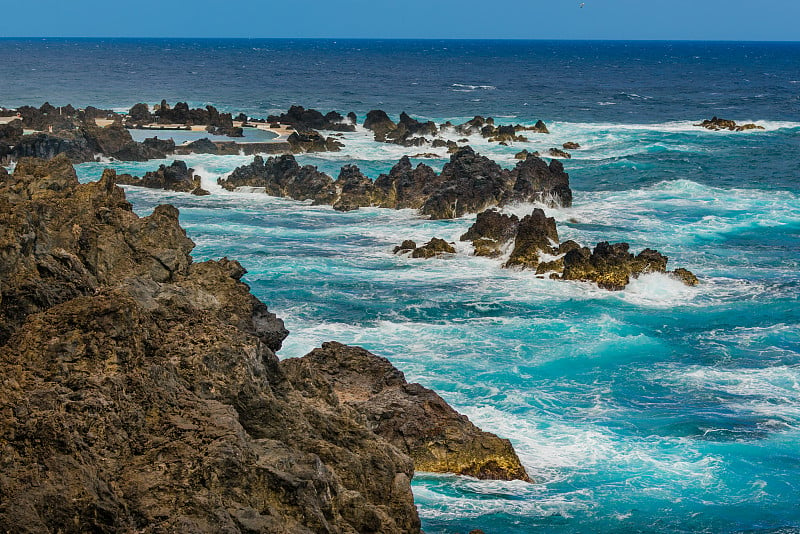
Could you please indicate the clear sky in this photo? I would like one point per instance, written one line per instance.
(744, 20)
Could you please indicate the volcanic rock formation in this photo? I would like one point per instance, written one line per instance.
(141, 392)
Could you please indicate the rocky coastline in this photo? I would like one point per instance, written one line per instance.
(468, 183)
(141, 391)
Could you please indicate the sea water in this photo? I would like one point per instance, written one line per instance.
(659, 408)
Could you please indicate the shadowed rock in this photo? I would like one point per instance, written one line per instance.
(311, 119)
(725, 124)
(491, 231)
(413, 418)
(174, 177)
(536, 235)
(433, 248)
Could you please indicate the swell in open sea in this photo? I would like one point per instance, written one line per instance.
(660, 408)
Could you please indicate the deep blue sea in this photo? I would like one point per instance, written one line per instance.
(660, 408)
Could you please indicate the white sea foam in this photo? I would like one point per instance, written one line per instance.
(469, 87)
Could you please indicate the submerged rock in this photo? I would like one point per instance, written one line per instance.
(414, 419)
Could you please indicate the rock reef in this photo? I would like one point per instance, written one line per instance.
(141, 391)
(716, 124)
(534, 244)
(468, 183)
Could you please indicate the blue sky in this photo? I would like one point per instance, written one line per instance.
(485, 19)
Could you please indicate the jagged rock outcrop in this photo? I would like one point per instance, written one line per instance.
(491, 231)
(523, 154)
(141, 391)
(413, 418)
(282, 177)
(497, 133)
(84, 143)
(312, 141)
(611, 266)
(536, 235)
(406, 246)
(432, 249)
(174, 177)
(139, 114)
(311, 119)
(355, 190)
(468, 183)
(536, 247)
(379, 122)
(725, 124)
(537, 181)
(406, 132)
(558, 153)
(181, 113)
(570, 145)
(10, 135)
(407, 186)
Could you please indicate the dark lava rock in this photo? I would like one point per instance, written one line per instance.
(282, 177)
(523, 154)
(175, 177)
(536, 234)
(141, 391)
(10, 135)
(725, 124)
(570, 145)
(406, 186)
(470, 183)
(140, 114)
(413, 418)
(83, 143)
(540, 127)
(433, 248)
(491, 231)
(312, 141)
(355, 190)
(558, 153)
(164, 146)
(379, 122)
(406, 246)
(536, 181)
(311, 119)
(201, 146)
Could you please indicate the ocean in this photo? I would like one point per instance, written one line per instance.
(660, 408)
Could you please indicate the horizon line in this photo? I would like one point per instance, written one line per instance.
(495, 39)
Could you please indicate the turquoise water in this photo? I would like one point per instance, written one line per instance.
(660, 408)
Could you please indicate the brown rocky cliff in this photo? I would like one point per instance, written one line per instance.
(140, 391)
(413, 418)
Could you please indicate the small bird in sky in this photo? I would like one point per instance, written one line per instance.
(582, 4)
